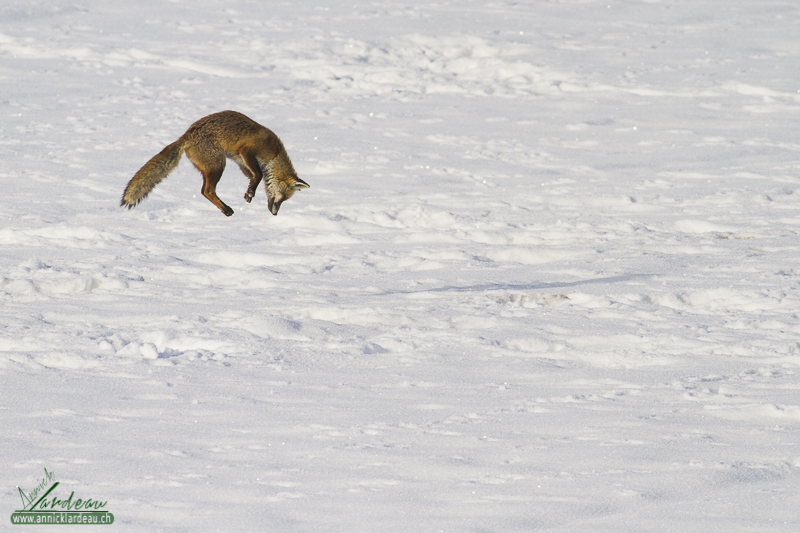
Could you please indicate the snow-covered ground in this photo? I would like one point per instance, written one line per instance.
(546, 277)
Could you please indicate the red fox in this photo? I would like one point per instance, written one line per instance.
(257, 150)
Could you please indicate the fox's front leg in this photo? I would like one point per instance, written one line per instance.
(255, 174)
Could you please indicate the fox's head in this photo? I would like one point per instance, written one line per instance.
(280, 190)
(281, 181)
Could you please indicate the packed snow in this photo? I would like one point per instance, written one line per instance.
(546, 277)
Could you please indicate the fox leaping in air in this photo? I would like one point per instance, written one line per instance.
(257, 150)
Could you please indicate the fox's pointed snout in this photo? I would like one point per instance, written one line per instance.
(274, 205)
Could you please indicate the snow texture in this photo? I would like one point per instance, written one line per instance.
(546, 277)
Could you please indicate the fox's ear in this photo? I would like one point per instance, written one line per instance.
(297, 183)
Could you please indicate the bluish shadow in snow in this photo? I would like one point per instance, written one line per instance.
(526, 286)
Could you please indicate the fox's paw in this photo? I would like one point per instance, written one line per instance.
(227, 211)
(249, 195)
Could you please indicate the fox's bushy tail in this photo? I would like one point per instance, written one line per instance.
(152, 173)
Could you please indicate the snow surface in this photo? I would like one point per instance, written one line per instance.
(545, 278)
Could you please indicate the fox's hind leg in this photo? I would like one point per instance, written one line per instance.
(211, 166)
(253, 172)
(210, 180)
